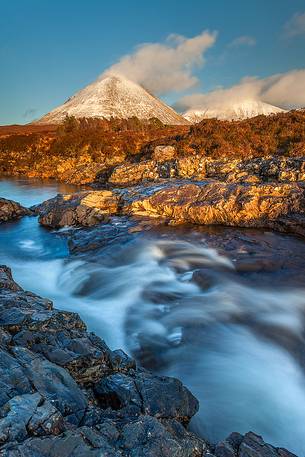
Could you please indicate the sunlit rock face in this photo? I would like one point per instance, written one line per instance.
(84, 208)
(278, 206)
(196, 167)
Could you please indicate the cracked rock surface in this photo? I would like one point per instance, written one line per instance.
(64, 393)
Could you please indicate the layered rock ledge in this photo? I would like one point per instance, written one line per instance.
(278, 206)
(65, 393)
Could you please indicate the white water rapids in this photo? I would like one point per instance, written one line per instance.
(238, 345)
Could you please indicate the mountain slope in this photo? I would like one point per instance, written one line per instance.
(113, 96)
(236, 111)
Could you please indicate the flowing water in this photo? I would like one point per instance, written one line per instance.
(221, 309)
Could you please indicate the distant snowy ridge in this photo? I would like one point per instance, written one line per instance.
(114, 96)
(235, 111)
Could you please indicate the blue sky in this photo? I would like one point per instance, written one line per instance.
(50, 49)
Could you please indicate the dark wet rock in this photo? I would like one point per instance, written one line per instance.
(162, 397)
(103, 237)
(141, 437)
(82, 209)
(249, 445)
(63, 392)
(54, 384)
(149, 437)
(224, 449)
(253, 445)
(10, 210)
(6, 279)
(258, 264)
(205, 278)
(29, 414)
(121, 362)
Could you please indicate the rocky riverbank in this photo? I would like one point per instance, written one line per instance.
(64, 393)
(166, 163)
(128, 152)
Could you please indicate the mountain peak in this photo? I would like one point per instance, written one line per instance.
(113, 96)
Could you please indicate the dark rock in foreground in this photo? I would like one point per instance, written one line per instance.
(64, 393)
(10, 210)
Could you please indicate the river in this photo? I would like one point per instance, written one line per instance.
(233, 333)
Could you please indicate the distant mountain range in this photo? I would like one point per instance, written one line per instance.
(236, 111)
(117, 97)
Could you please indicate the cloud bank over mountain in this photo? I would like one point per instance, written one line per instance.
(165, 67)
(285, 90)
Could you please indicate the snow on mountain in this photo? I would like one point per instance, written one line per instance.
(236, 111)
(113, 96)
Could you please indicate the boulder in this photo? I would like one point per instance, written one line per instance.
(133, 173)
(81, 209)
(10, 210)
(164, 153)
(162, 397)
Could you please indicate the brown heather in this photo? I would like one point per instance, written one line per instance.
(81, 150)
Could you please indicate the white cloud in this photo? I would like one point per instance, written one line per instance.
(286, 90)
(295, 26)
(244, 40)
(165, 67)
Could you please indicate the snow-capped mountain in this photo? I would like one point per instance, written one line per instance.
(235, 111)
(114, 96)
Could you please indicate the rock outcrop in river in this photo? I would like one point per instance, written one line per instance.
(84, 208)
(280, 207)
(275, 206)
(10, 210)
(65, 393)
